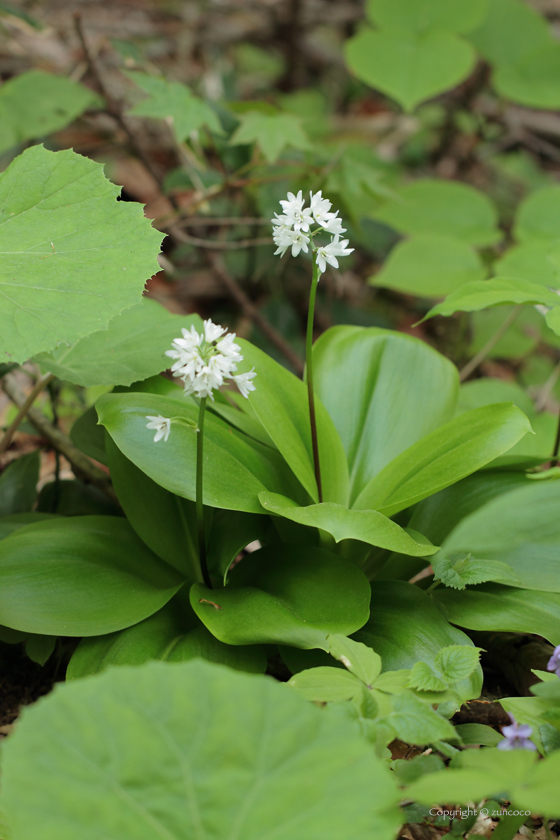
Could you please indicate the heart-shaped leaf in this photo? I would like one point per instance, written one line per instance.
(427, 15)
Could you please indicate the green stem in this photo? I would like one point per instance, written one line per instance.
(199, 496)
(554, 461)
(309, 368)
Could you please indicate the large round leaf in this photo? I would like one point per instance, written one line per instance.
(73, 256)
(408, 66)
(236, 468)
(364, 377)
(177, 752)
(538, 218)
(427, 15)
(406, 626)
(288, 595)
(173, 634)
(521, 529)
(80, 576)
(534, 80)
(510, 30)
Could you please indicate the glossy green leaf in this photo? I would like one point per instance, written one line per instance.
(61, 225)
(533, 80)
(132, 348)
(538, 217)
(35, 104)
(427, 15)
(496, 292)
(521, 529)
(236, 469)
(326, 685)
(358, 658)
(9, 524)
(430, 266)
(165, 522)
(80, 577)
(407, 66)
(406, 626)
(173, 634)
(89, 436)
(210, 753)
(272, 132)
(368, 526)
(173, 101)
(442, 208)
(492, 606)
(363, 377)
(281, 404)
(230, 532)
(40, 648)
(530, 261)
(510, 30)
(287, 595)
(18, 484)
(455, 450)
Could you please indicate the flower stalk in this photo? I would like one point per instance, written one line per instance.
(309, 374)
(199, 495)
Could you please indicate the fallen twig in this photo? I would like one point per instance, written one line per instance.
(40, 385)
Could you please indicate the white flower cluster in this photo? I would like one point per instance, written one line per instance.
(292, 229)
(205, 361)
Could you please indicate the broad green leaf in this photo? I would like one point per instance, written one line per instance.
(407, 66)
(272, 132)
(132, 348)
(461, 570)
(496, 292)
(478, 733)
(363, 377)
(18, 484)
(73, 256)
(326, 685)
(552, 318)
(538, 217)
(522, 529)
(532, 711)
(165, 522)
(492, 606)
(35, 104)
(437, 516)
(9, 524)
(530, 261)
(173, 101)
(427, 15)
(409, 770)
(442, 208)
(173, 634)
(430, 266)
(192, 750)
(288, 595)
(368, 526)
(533, 80)
(455, 450)
(80, 576)
(236, 468)
(230, 532)
(89, 436)
(491, 389)
(40, 648)
(510, 30)
(358, 658)
(415, 722)
(280, 402)
(406, 626)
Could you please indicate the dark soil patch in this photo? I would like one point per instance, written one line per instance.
(21, 683)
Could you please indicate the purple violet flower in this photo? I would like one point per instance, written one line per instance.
(517, 736)
(554, 662)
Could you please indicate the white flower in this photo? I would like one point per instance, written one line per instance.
(204, 362)
(329, 253)
(334, 224)
(295, 215)
(162, 425)
(320, 208)
(243, 382)
(294, 239)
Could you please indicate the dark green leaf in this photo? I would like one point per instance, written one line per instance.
(18, 484)
(89, 436)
